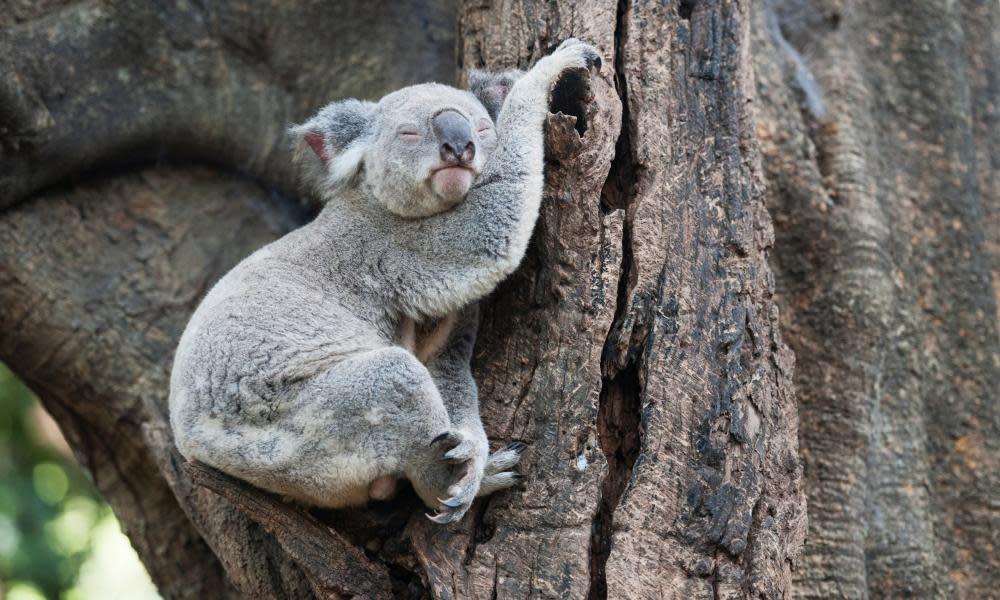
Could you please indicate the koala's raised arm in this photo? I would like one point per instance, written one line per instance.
(484, 239)
(453, 178)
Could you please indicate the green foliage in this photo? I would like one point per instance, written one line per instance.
(54, 528)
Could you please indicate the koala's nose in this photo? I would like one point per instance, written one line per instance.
(455, 135)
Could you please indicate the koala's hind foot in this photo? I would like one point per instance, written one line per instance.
(498, 474)
(450, 474)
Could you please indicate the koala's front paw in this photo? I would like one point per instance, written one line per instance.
(578, 54)
(571, 55)
(454, 475)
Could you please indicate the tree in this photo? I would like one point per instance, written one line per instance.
(637, 349)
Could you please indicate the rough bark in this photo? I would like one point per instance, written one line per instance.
(884, 189)
(637, 350)
(125, 82)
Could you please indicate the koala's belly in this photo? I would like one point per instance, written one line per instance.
(426, 339)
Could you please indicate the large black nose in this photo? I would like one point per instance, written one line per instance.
(455, 136)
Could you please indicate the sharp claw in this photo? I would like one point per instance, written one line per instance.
(459, 454)
(449, 439)
(442, 518)
(451, 502)
(517, 447)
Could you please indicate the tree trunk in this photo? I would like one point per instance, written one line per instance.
(884, 188)
(637, 350)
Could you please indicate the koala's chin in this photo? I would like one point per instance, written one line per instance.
(451, 184)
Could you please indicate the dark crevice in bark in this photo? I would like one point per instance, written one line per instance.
(618, 433)
(482, 531)
(379, 530)
(406, 583)
(619, 408)
(685, 8)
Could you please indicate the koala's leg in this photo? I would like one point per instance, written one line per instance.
(377, 415)
(451, 371)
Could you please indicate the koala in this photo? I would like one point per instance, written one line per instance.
(335, 361)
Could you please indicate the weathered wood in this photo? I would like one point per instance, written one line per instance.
(713, 508)
(88, 85)
(695, 414)
(334, 567)
(885, 204)
(97, 284)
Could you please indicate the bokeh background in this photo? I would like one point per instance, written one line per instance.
(58, 539)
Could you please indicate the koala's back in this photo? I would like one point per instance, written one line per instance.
(267, 328)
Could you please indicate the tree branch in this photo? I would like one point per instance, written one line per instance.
(335, 567)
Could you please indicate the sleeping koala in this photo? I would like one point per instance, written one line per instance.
(335, 360)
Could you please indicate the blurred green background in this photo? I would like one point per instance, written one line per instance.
(58, 539)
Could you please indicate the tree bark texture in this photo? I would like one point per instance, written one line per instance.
(884, 189)
(637, 350)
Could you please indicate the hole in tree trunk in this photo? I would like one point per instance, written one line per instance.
(570, 96)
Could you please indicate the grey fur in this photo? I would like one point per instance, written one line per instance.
(295, 372)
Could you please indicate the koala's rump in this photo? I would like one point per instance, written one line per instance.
(240, 391)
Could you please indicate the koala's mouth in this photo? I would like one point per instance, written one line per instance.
(437, 170)
(452, 182)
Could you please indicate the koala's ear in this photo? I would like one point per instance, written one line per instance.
(338, 135)
(492, 88)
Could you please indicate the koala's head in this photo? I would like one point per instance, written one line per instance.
(416, 151)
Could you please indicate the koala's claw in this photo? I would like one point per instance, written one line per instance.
(504, 459)
(497, 475)
(446, 517)
(459, 477)
(499, 481)
(448, 438)
(455, 447)
(453, 508)
(464, 451)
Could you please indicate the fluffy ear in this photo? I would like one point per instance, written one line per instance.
(492, 88)
(338, 135)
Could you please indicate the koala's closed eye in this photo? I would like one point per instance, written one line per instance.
(484, 128)
(409, 133)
